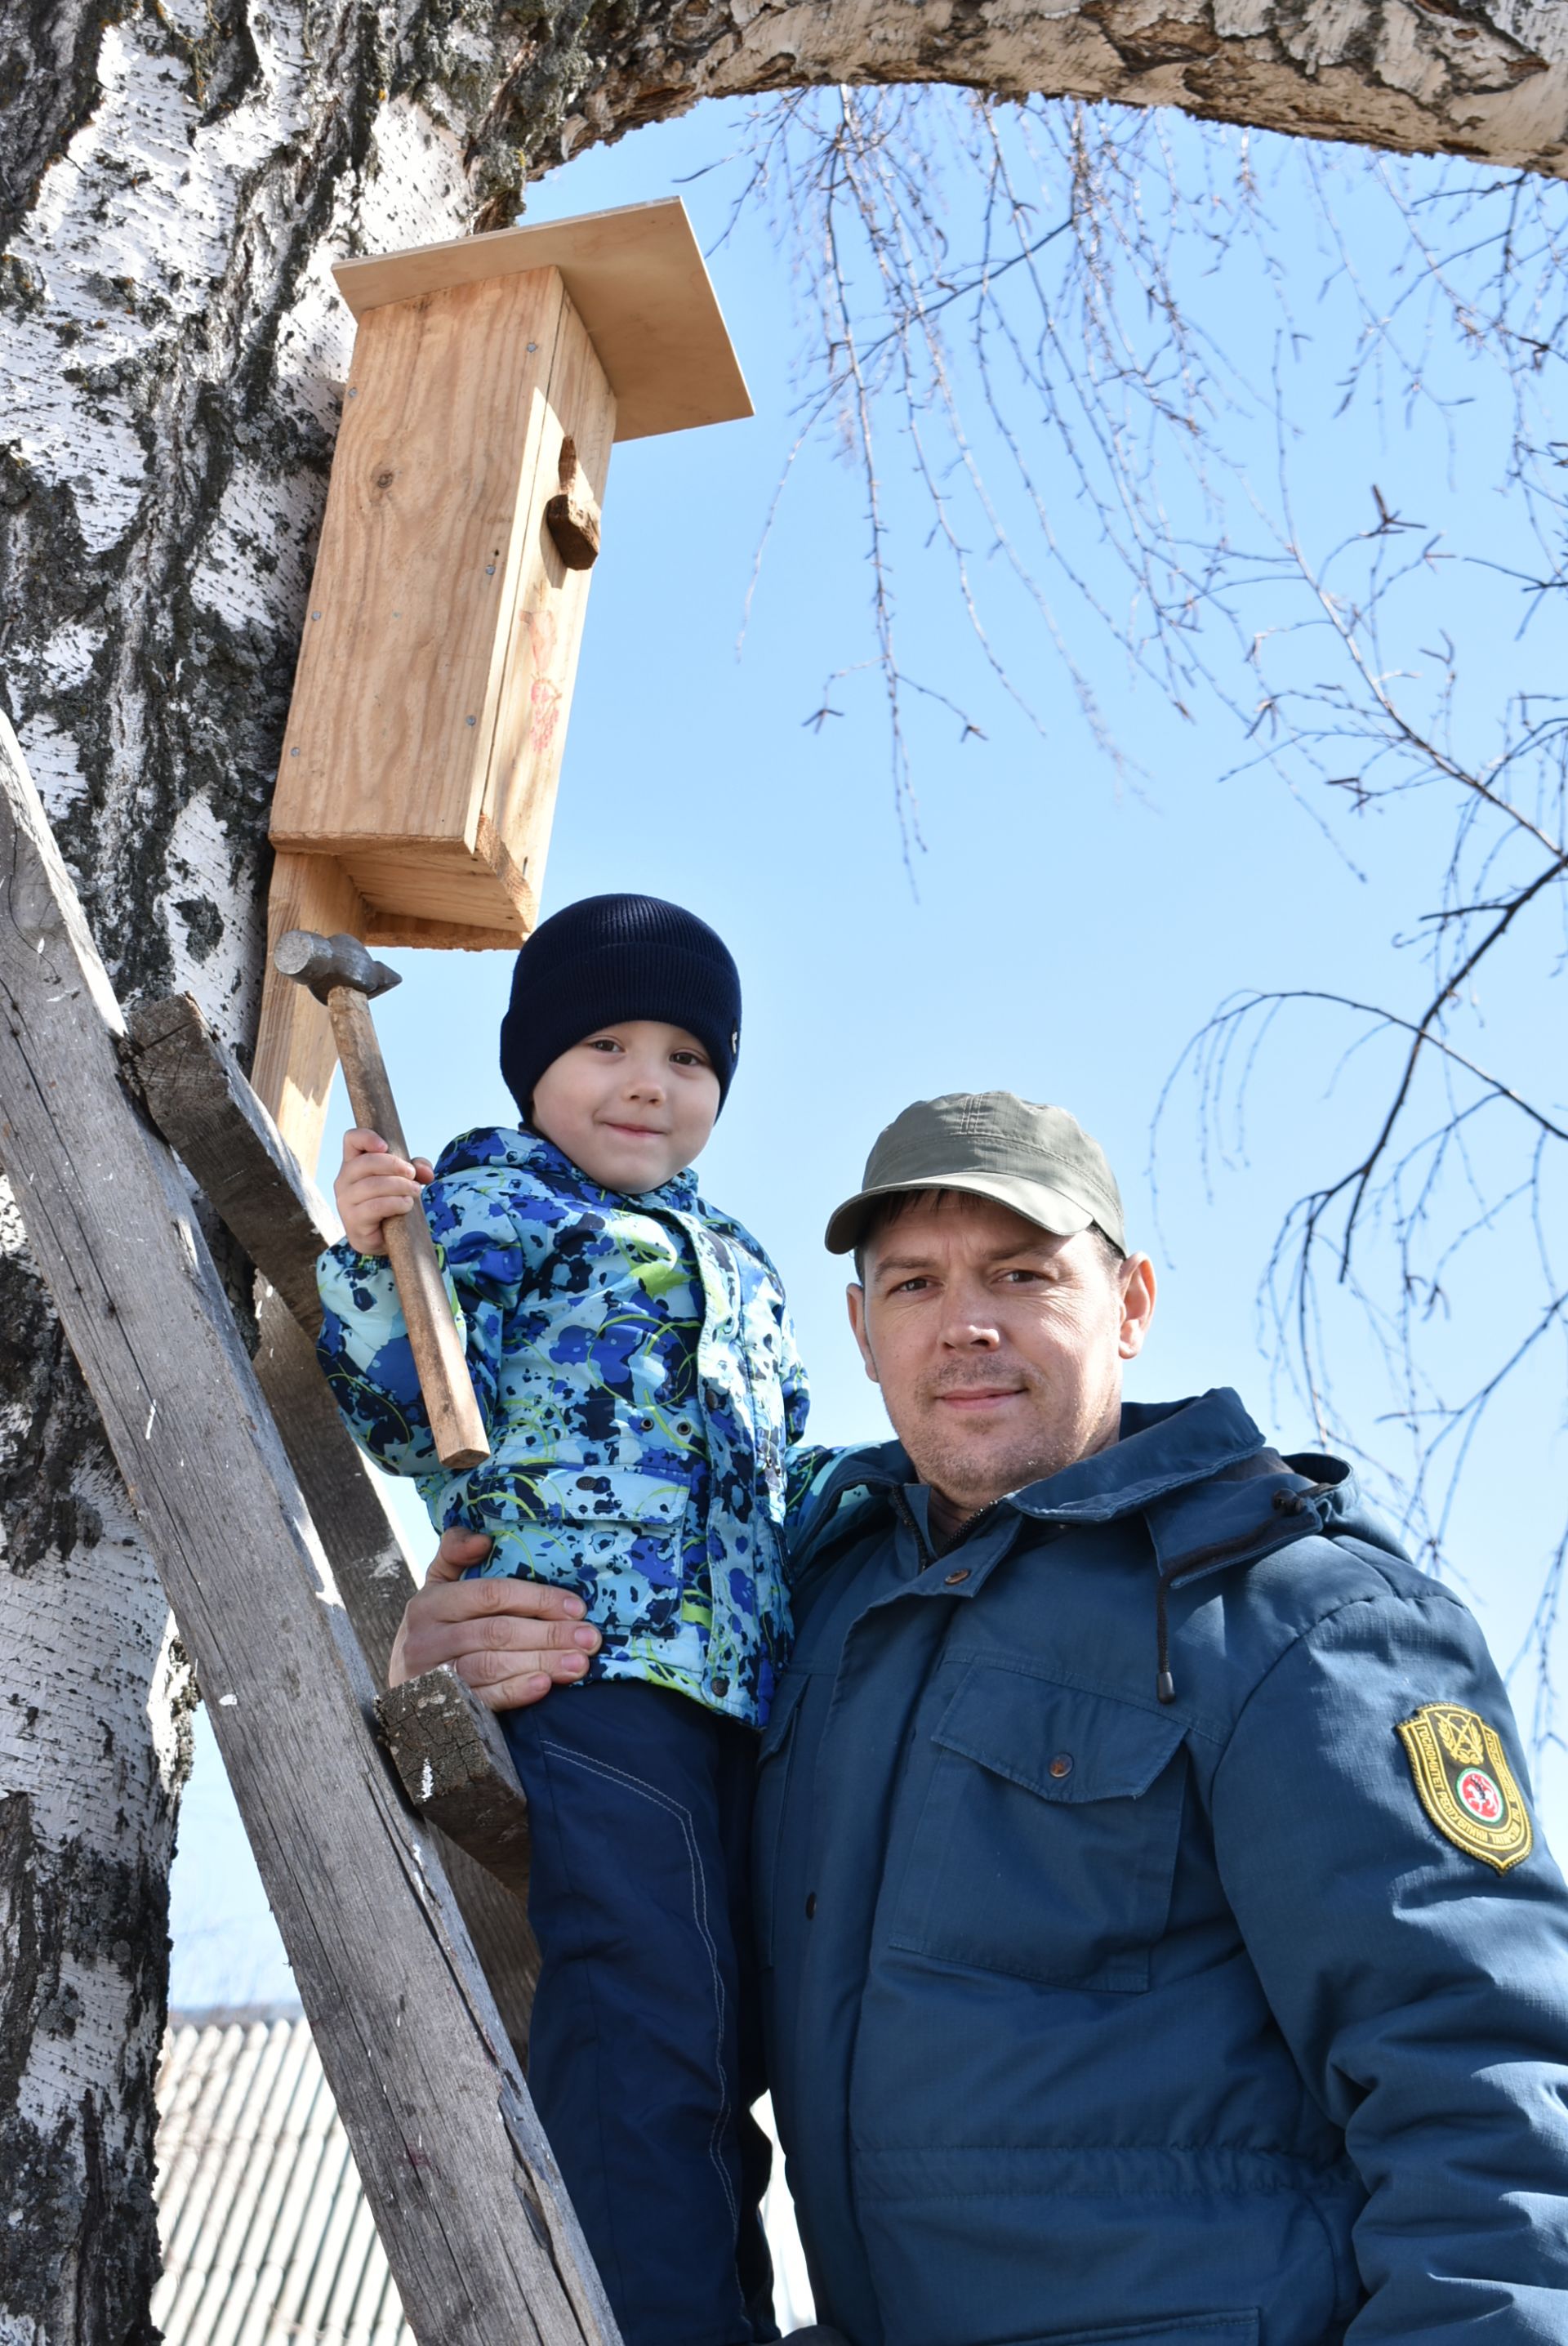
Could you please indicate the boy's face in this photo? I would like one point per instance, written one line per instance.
(630, 1103)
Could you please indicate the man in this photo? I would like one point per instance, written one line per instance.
(1157, 1944)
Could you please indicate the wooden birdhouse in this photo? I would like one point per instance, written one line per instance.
(489, 378)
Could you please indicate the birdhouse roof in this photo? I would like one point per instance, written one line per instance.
(639, 283)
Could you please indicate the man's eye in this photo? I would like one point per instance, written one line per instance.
(1029, 1277)
(911, 1286)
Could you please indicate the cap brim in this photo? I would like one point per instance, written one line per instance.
(1046, 1208)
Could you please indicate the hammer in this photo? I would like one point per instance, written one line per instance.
(341, 973)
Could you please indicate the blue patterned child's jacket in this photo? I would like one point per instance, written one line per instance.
(636, 1366)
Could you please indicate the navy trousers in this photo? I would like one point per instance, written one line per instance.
(644, 2049)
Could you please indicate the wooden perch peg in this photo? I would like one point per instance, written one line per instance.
(570, 516)
(339, 973)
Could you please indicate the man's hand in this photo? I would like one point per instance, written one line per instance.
(374, 1185)
(511, 1640)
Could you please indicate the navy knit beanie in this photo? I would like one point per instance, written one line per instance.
(606, 958)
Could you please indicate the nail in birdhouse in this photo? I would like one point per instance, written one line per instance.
(489, 378)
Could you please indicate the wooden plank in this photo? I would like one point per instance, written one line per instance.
(534, 691)
(454, 1763)
(453, 885)
(202, 1104)
(640, 281)
(447, 936)
(295, 1055)
(450, 2150)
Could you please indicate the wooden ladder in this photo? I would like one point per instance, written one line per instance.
(287, 1578)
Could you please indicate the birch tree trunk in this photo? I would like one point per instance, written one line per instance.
(175, 175)
(173, 182)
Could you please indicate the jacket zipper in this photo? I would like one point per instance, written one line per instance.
(965, 1532)
(906, 1516)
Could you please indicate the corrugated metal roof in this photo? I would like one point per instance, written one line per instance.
(266, 2239)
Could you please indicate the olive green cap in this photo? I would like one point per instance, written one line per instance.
(1038, 1161)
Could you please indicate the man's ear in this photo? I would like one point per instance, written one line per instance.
(855, 1297)
(1137, 1304)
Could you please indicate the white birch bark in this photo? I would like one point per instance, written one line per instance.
(170, 355)
(93, 1739)
(174, 177)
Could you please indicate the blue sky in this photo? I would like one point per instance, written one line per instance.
(1067, 926)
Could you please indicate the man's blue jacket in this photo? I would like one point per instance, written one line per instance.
(1239, 2015)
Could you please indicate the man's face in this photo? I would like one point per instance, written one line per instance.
(998, 1347)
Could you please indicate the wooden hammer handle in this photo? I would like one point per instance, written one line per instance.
(438, 1356)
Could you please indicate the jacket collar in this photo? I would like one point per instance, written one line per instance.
(1164, 1446)
(1199, 1470)
(552, 1166)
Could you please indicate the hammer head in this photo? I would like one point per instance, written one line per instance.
(322, 963)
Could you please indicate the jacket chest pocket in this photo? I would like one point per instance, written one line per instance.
(1048, 1842)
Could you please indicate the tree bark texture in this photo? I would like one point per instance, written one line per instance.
(173, 180)
(1482, 78)
(95, 1698)
(175, 175)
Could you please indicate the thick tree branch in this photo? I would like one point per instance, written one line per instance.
(1482, 78)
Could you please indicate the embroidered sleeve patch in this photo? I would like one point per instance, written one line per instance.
(1465, 1784)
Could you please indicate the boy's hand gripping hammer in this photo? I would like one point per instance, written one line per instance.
(342, 974)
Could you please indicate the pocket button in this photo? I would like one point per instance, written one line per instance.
(1062, 1764)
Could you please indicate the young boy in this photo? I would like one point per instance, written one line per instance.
(633, 1356)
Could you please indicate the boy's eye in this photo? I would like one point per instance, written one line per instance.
(688, 1059)
(603, 1043)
